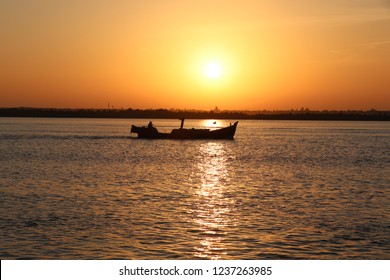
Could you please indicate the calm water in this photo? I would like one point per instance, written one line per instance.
(83, 189)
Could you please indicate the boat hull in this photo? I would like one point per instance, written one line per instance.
(185, 134)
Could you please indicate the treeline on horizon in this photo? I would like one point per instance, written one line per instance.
(302, 114)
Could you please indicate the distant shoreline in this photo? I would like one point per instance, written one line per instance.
(303, 114)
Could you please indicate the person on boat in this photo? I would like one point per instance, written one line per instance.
(150, 125)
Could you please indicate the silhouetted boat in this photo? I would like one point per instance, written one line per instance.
(150, 132)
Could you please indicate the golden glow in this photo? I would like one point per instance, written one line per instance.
(196, 55)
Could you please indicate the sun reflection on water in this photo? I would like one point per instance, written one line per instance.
(212, 202)
(212, 124)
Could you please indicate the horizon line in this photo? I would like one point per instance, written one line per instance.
(215, 110)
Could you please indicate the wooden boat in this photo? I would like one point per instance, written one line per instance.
(150, 132)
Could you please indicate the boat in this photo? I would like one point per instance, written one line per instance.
(150, 132)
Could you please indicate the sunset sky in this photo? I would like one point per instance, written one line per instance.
(244, 55)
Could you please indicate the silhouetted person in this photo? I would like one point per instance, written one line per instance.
(150, 125)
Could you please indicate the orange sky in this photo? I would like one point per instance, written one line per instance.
(277, 54)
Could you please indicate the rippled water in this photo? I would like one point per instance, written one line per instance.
(83, 189)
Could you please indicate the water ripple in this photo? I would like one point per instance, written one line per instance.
(281, 190)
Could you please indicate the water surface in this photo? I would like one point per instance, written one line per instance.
(84, 189)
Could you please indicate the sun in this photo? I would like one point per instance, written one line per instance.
(213, 70)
